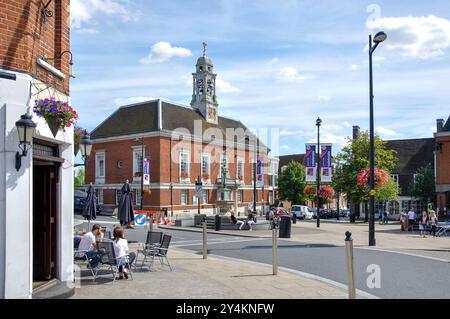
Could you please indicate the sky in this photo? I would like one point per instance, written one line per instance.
(280, 64)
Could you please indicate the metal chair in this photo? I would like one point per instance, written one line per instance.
(442, 229)
(154, 240)
(110, 261)
(162, 251)
(80, 256)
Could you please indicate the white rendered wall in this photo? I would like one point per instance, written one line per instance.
(16, 202)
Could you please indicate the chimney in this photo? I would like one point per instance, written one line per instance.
(356, 131)
(440, 125)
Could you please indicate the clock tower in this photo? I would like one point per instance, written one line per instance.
(204, 96)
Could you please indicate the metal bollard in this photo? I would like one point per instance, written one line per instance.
(350, 270)
(274, 251)
(205, 248)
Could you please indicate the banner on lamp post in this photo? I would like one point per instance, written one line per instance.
(311, 163)
(325, 161)
(146, 171)
(259, 173)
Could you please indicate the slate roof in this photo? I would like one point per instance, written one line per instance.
(286, 159)
(412, 154)
(143, 118)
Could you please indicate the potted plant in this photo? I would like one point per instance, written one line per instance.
(58, 114)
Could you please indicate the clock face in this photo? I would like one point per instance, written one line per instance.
(210, 88)
(212, 113)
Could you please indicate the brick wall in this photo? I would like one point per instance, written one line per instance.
(443, 160)
(158, 149)
(26, 34)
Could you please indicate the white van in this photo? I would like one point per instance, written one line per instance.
(301, 212)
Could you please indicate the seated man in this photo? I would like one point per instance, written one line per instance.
(88, 245)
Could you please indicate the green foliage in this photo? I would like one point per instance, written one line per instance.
(292, 182)
(78, 180)
(354, 158)
(424, 187)
(388, 191)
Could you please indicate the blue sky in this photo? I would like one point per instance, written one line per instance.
(281, 64)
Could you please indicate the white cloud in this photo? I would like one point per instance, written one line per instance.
(225, 87)
(83, 11)
(354, 67)
(385, 131)
(131, 100)
(324, 98)
(419, 37)
(163, 51)
(285, 147)
(290, 74)
(338, 140)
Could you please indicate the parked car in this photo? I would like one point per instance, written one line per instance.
(300, 211)
(313, 211)
(280, 211)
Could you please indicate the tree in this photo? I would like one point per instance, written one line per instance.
(424, 186)
(353, 159)
(78, 180)
(292, 182)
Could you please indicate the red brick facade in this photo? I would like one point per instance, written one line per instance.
(443, 171)
(157, 148)
(26, 34)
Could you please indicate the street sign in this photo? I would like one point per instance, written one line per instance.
(140, 220)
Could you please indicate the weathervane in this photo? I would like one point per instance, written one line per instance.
(205, 48)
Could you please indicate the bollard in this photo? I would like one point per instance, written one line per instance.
(151, 224)
(274, 251)
(350, 271)
(205, 248)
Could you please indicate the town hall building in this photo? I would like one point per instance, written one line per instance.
(182, 144)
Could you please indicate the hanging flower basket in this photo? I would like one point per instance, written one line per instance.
(57, 114)
(184, 175)
(363, 179)
(326, 193)
(205, 177)
(240, 177)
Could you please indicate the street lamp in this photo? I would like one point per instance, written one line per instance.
(379, 37)
(318, 124)
(86, 149)
(25, 129)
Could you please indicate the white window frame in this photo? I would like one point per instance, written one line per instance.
(240, 161)
(220, 166)
(208, 166)
(137, 195)
(188, 163)
(99, 156)
(205, 196)
(395, 177)
(100, 197)
(118, 194)
(137, 152)
(240, 195)
(184, 193)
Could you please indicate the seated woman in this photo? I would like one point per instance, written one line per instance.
(251, 219)
(235, 221)
(121, 249)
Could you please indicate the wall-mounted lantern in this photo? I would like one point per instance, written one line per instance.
(25, 128)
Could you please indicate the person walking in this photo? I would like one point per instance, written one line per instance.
(433, 222)
(411, 219)
(403, 220)
(423, 224)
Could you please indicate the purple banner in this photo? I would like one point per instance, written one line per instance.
(325, 156)
(310, 157)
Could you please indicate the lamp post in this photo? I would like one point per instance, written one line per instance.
(25, 128)
(86, 149)
(318, 124)
(254, 178)
(141, 204)
(379, 37)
